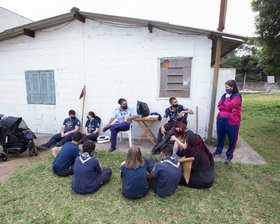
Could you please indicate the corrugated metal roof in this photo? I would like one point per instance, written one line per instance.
(227, 44)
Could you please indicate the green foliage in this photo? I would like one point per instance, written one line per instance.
(246, 59)
(268, 27)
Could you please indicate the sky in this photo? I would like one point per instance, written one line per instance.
(193, 13)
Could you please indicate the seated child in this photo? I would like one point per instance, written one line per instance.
(203, 172)
(64, 161)
(89, 175)
(166, 174)
(181, 134)
(134, 174)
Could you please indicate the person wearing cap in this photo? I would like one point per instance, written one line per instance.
(69, 126)
(124, 116)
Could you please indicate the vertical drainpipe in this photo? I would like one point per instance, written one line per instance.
(222, 18)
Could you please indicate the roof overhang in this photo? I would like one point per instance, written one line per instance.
(229, 41)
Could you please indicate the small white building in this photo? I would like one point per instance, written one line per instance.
(10, 19)
(45, 64)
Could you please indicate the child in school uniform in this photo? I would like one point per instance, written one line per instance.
(89, 175)
(165, 175)
(134, 174)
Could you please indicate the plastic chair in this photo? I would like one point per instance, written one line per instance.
(128, 132)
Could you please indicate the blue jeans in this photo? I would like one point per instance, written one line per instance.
(150, 163)
(223, 129)
(115, 128)
(66, 172)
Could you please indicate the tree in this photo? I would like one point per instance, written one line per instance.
(268, 27)
(245, 59)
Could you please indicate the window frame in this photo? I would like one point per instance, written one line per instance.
(167, 90)
(31, 86)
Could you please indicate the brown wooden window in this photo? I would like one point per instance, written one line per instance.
(175, 77)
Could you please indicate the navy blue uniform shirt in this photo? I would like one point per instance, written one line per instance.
(173, 115)
(66, 156)
(135, 183)
(70, 124)
(91, 125)
(86, 171)
(167, 174)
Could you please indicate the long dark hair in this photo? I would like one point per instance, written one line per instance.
(232, 84)
(91, 113)
(195, 142)
(182, 126)
(133, 158)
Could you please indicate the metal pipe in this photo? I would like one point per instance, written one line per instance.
(221, 25)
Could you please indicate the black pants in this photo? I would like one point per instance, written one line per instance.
(195, 182)
(90, 137)
(57, 140)
(161, 141)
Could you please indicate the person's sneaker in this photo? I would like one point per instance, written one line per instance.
(215, 154)
(112, 149)
(228, 161)
(105, 129)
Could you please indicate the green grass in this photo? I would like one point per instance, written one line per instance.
(241, 193)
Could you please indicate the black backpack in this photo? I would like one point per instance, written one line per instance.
(143, 109)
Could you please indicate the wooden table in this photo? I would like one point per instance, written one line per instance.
(142, 121)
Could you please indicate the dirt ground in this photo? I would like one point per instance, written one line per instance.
(243, 154)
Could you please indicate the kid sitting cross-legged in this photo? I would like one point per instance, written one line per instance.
(89, 175)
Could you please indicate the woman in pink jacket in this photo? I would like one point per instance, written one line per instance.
(228, 120)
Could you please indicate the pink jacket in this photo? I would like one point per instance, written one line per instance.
(231, 107)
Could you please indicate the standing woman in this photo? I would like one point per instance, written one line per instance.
(124, 116)
(228, 120)
(91, 127)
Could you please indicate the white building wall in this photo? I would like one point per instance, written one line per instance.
(10, 19)
(112, 62)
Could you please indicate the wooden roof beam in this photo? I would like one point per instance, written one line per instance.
(77, 15)
(29, 33)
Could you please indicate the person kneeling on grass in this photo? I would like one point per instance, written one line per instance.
(89, 175)
(202, 171)
(64, 161)
(165, 176)
(134, 174)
